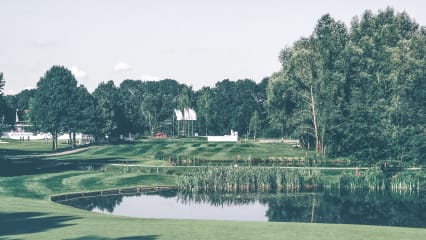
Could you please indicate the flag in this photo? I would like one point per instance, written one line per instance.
(192, 114)
(17, 118)
(186, 115)
(179, 115)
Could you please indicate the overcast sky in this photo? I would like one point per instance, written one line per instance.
(192, 41)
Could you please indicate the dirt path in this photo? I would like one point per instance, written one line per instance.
(65, 152)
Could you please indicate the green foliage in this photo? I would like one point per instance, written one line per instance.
(108, 111)
(233, 105)
(370, 180)
(357, 92)
(240, 179)
(405, 181)
(2, 103)
(254, 124)
(204, 104)
(131, 94)
(159, 100)
(2, 82)
(55, 102)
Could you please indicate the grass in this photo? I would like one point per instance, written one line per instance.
(27, 213)
(14, 147)
(38, 219)
(145, 151)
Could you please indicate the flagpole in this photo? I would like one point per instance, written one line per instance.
(173, 124)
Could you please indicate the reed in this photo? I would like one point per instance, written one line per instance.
(372, 180)
(241, 179)
(405, 181)
(276, 179)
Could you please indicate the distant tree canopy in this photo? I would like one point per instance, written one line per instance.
(357, 92)
(2, 82)
(20, 102)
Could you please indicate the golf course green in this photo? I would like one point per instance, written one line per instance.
(31, 174)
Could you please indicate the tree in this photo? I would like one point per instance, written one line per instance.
(233, 104)
(204, 106)
(304, 70)
(20, 101)
(108, 111)
(158, 103)
(2, 82)
(131, 97)
(330, 38)
(2, 102)
(53, 103)
(184, 101)
(85, 120)
(254, 124)
(384, 61)
(281, 104)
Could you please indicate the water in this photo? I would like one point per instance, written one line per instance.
(370, 208)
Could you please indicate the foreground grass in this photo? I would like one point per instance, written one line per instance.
(27, 213)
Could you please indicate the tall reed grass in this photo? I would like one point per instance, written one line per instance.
(275, 179)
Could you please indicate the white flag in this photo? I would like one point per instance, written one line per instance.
(179, 115)
(192, 114)
(186, 115)
(17, 118)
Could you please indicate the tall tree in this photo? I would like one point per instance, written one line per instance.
(2, 102)
(2, 82)
(254, 124)
(184, 101)
(52, 107)
(158, 103)
(357, 93)
(233, 105)
(131, 97)
(382, 66)
(281, 104)
(204, 107)
(108, 110)
(330, 39)
(85, 120)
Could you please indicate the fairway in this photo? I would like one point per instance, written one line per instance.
(26, 211)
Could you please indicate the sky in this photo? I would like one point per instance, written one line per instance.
(192, 41)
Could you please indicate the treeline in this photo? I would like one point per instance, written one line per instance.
(356, 92)
(140, 108)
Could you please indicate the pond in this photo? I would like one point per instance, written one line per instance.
(370, 208)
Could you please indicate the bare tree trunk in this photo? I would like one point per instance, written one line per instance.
(314, 119)
(73, 140)
(54, 140)
(70, 138)
(323, 148)
(206, 124)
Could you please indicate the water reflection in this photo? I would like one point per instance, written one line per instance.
(372, 208)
